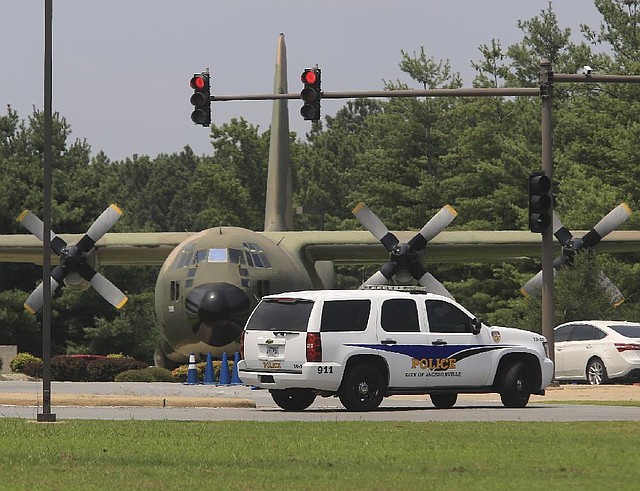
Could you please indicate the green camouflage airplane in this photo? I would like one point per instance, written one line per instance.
(211, 280)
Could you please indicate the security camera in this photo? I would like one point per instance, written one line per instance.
(587, 70)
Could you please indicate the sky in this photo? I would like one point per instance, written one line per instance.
(121, 68)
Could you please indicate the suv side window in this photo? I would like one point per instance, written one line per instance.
(400, 315)
(447, 318)
(345, 315)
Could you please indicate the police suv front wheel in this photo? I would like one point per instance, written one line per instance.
(515, 387)
(362, 388)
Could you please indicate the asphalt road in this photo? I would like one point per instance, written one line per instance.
(165, 401)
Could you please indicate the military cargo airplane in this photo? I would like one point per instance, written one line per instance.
(210, 280)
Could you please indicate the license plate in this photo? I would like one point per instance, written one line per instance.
(273, 351)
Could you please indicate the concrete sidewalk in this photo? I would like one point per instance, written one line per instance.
(158, 394)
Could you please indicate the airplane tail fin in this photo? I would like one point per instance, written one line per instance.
(278, 207)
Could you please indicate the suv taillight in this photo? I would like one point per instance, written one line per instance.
(314, 347)
(242, 344)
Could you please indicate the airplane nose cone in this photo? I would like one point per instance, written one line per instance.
(221, 309)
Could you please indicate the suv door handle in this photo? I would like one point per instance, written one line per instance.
(439, 342)
(388, 341)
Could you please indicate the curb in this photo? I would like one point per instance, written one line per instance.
(22, 399)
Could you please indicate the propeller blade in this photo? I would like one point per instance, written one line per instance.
(434, 286)
(560, 231)
(433, 227)
(611, 221)
(36, 299)
(108, 290)
(101, 226)
(615, 296)
(376, 278)
(34, 225)
(374, 225)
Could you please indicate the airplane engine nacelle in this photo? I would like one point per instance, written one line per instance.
(77, 283)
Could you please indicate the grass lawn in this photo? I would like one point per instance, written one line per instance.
(119, 455)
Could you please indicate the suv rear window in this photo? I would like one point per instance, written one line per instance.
(345, 315)
(281, 315)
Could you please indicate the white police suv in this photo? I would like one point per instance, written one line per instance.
(363, 345)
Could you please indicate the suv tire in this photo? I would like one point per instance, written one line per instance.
(293, 399)
(363, 388)
(443, 401)
(515, 387)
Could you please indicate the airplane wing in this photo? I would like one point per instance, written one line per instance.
(341, 247)
(144, 248)
(361, 247)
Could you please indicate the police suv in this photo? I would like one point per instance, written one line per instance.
(363, 345)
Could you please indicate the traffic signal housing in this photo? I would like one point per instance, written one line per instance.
(201, 99)
(311, 94)
(539, 202)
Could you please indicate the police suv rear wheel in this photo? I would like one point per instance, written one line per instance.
(362, 388)
(443, 401)
(293, 399)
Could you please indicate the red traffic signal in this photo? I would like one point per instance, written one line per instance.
(311, 94)
(201, 99)
(309, 77)
(198, 82)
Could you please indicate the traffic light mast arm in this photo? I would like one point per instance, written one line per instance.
(469, 92)
(472, 92)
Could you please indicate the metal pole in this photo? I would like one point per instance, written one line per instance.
(46, 415)
(546, 96)
(473, 92)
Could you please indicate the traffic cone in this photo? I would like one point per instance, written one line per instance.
(235, 379)
(192, 372)
(209, 376)
(224, 371)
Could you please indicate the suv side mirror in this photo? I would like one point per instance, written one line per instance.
(476, 325)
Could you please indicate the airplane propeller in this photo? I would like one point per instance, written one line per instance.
(404, 258)
(73, 269)
(572, 245)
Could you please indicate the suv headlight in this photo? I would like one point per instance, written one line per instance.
(546, 348)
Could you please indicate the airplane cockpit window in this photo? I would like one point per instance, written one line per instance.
(257, 261)
(184, 257)
(218, 256)
(265, 261)
(236, 256)
(200, 256)
(255, 256)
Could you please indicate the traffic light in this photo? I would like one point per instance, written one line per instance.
(201, 99)
(539, 202)
(311, 94)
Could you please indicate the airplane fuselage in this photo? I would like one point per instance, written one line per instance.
(209, 285)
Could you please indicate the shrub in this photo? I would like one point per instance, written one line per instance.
(149, 374)
(21, 359)
(134, 376)
(106, 369)
(69, 368)
(33, 369)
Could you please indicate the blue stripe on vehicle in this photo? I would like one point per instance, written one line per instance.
(457, 351)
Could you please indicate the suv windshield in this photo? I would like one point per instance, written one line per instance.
(288, 314)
